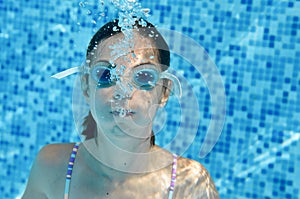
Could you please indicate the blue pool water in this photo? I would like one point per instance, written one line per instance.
(254, 44)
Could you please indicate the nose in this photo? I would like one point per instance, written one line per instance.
(123, 90)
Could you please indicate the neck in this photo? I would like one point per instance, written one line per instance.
(123, 142)
(119, 157)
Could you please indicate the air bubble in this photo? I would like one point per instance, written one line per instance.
(117, 96)
(143, 23)
(82, 4)
(146, 12)
(115, 28)
(122, 112)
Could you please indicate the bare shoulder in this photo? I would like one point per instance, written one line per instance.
(54, 154)
(52, 158)
(190, 168)
(48, 168)
(193, 180)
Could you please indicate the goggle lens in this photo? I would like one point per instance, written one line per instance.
(146, 79)
(102, 75)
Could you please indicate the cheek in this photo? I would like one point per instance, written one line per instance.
(146, 102)
(146, 98)
(100, 104)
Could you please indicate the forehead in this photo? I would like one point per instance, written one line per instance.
(137, 48)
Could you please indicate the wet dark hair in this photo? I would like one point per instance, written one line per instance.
(110, 29)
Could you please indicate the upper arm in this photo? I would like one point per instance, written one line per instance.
(35, 185)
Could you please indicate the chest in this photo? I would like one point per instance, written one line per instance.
(87, 184)
(128, 190)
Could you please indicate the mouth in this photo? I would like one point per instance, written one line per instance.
(122, 112)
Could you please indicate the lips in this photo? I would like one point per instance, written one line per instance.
(122, 112)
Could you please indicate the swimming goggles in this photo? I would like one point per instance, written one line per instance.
(142, 77)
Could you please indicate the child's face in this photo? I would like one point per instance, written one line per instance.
(123, 102)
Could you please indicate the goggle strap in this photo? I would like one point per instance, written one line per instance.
(66, 73)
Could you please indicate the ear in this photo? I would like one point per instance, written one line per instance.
(167, 87)
(85, 87)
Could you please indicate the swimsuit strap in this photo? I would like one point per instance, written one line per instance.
(173, 179)
(70, 169)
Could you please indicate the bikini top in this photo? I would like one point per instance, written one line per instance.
(72, 160)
